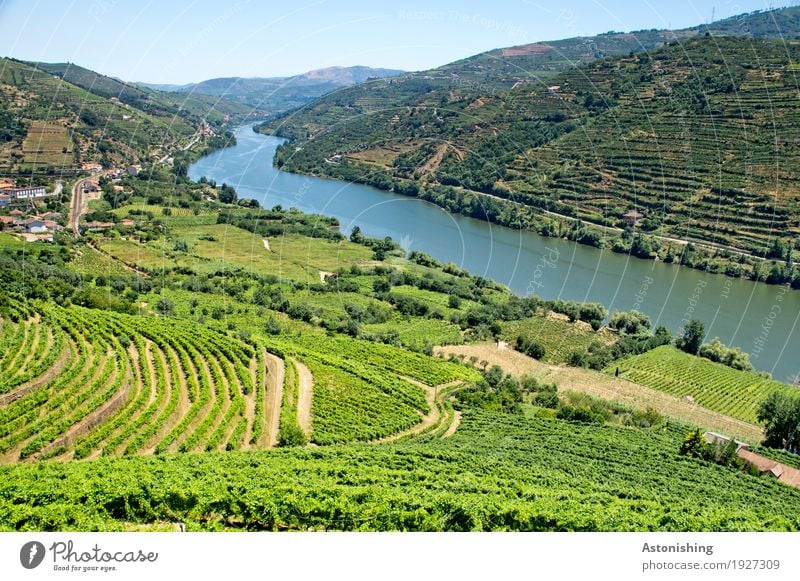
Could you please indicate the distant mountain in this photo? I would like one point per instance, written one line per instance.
(694, 130)
(278, 94)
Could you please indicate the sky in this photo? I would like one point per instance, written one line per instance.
(180, 42)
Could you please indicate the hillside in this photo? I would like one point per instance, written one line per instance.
(679, 134)
(58, 116)
(277, 94)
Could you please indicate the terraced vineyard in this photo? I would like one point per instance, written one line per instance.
(360, 393)
(712, 385)
(497, 472)
(81, 383)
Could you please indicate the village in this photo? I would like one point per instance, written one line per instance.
(21, 211)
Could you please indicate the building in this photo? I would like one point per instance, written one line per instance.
(133, 170)
(723, 440)
(769, 467)
(25, 193)
(94, 226)
(765, 466)
(32, 226)
(5, 200)
(92, 167)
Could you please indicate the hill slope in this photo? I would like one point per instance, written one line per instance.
(680, 134)
(55, 116)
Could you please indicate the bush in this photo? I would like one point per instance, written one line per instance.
(530, 347)
(630, 322)
(290, 434)
(165, 306)
(730, 356)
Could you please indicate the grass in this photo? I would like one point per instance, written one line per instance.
(10, 241)
(94, 263)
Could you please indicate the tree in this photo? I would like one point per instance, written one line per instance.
(629, 322)
(694, 445)
(356, 235)
(165, 306)
(227, 194)
(692, 337)
(780, 413)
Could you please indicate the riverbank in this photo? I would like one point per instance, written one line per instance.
(534, 216)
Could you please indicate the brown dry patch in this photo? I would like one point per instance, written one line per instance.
(385, 154)
(607, 387)
(432, 164)
(536, 48)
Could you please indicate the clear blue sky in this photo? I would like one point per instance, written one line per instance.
(178, 42)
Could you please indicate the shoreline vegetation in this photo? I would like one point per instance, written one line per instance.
(775, 268)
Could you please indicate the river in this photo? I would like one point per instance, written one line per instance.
(763, 320)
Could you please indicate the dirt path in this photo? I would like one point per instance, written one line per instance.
(435, 397)
(250, 404)
(454, 425)
(104, 413)
(227, 401)
(131, 415)
(275, 375)
(305, 393)
(607, 387)
(204, 411)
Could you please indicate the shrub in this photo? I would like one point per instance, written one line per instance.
(530, 347)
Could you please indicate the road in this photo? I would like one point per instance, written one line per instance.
(195, 139)
(77, 206)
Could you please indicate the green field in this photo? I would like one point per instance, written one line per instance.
(498, 472)
(712, 385)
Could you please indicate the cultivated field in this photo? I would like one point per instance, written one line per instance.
(47, 144)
